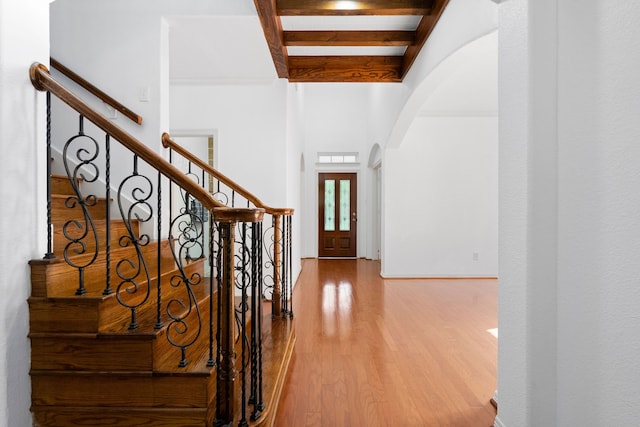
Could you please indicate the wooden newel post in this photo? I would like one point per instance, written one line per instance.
(276, 299)
(226, 372)
(226, 360)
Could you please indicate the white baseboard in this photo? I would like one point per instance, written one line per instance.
(498, 423)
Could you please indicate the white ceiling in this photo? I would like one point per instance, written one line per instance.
(232, 49)
(408, 23)
(218, 49)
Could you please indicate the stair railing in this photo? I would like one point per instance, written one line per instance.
(234, 233)
(278, 238)
(99, 93)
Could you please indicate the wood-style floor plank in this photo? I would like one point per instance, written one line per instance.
(374, 352)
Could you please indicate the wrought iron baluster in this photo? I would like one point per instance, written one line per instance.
(189, 228)
(77, 231)
(219, 285)
(290, 275)
(212, 254)
(269, 248)
(276, 300)
(49, 254)
(159, 322)
(243, 322)
(107, 148)
(132, 292)
(170, 190)
(285, 254)
(256, 322)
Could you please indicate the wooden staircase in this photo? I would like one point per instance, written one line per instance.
(89, 367)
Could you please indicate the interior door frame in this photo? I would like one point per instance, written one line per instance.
(177, 135)
(357, 206)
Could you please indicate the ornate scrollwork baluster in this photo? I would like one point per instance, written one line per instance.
(185, 237)
(79, 231)
(159, 322)
(268, 239)
(213, 276)
(135, 284)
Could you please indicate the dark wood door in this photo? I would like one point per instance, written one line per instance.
(338, 215)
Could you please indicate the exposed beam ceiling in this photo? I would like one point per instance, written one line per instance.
(362, 7)
(358, 65)
(349, 38)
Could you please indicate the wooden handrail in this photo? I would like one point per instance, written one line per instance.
(42, 80)
(167, 142)
(95, 91)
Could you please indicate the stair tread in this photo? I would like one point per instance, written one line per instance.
(61, 313)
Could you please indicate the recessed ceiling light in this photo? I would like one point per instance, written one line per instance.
(347, 5)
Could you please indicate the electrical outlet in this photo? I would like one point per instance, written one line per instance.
(475, 256)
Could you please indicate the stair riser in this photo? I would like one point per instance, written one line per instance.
(133, 390)
(117, 353)
(61, 212)
(60, 184)
(118, 229)
(167, 355)
(82, 354)
(121, 417)
(72, 315)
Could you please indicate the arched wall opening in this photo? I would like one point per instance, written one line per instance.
(440, 167)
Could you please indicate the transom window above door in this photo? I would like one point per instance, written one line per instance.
(337, 158)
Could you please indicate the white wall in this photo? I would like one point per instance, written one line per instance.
(24, 35)
(440, 205)
(122, 47)
(569, 233)
(117, 46)
(256, 145)
(295, 172)
(393, 110)
(513, 374)
(252, 136)
(335, 120)
(442, 199)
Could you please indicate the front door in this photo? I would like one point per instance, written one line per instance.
(337, 215)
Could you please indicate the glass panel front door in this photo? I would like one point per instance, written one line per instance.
(337, 213)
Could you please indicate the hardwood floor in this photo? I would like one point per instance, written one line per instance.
(374, 352)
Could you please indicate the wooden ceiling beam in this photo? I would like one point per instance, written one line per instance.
(349, 38)
(364, 69)
(272, 28)
(353, 7)
(425, 27)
